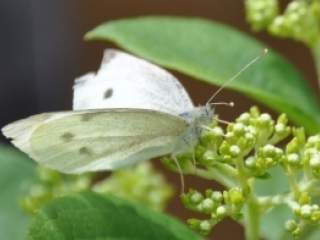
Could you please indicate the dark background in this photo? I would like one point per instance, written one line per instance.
(42, 51)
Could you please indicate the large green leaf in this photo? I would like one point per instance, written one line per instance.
(213, 52)
(16, 175)
(91, 216)
(273, 223)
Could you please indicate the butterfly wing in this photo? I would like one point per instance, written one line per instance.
(130, 82)
(75, 142)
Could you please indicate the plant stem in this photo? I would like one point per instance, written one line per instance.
(252, 219)
(214, 174)
(316, 57)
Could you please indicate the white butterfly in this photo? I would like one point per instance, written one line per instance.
(138, 111)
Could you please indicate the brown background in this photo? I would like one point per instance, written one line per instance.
(42, 52)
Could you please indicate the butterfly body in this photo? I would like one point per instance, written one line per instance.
(131, 110)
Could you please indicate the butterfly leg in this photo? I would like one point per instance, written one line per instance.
(180, 173)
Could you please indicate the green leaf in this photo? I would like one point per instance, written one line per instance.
(16, 175)
(92, 216)
(214, 52)
(273, 223)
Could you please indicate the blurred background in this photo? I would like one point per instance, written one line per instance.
(42, 51)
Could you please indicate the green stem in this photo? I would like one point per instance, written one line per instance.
(294, 186)
(252, 212)
(214, 174)
(252, 219)
(316, 57)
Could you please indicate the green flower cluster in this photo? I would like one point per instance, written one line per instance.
(141, 184)
(300, 20)
(128, 183)
(244, 152)
(216, 204)
(52, 184)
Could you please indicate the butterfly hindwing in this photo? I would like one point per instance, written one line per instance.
(75, 142)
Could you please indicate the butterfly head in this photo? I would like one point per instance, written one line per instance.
(199, 115)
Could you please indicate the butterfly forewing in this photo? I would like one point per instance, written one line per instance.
(126, 81)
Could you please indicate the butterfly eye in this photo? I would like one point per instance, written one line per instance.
(108, 93)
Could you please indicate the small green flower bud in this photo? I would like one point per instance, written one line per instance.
(239, 128)
(315, 161)
(291, 225)
(221, 211)
(235, 150)
(244, 118)
(279, 128)
(250, 162)
(315, 207)
(314, 139)
(217, 196)
(293, 159)
(205, 225)
(194, 223)
(196, 197)
(207, 204)
(306, 211)
(268, 149)
(265, 117)
(304, 198)
(236, 196)
(315, 216)
(217, 132)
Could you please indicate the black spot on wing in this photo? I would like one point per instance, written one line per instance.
(108, 93)
(67, 137)
(88, 116)
(85, 151)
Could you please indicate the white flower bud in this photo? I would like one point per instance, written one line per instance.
(207, 204)
(306, 210)
(244, 117)
(291, 225)
(229, 135)
(278, 22)
(280, 127)
(249, 136)
(235, 150)
(268, 149)
(217, 196)
(205, 225)
(221, 211)
(265, 117)
(315, 161)
(217, 131)
(196, 197)
(252, 130)
(314, 139)
(250, 162)
(293, 158)
(239, 127)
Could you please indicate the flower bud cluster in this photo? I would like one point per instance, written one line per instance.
(300, 20)
(51, 184)
(261, 13)
(217, 205)
(246, 150)
(130, 184)
(305, 213)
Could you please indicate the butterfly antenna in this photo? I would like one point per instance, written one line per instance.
(265, 51)
(228, 104)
